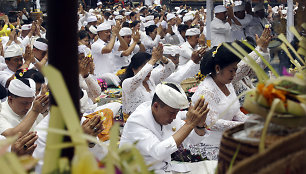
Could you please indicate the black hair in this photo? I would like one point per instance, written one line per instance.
(3, 92)
(143, 9)
(121, 12)
(158, 100)
(137, 61)
(156, 15)
(150, 29)
(182, 27)
(2, 23)
(132, 14)
(223, 58)
(43, 40)
(134, 23)
(83, 34)
(31, 73)
(107, 14)
(125, 24)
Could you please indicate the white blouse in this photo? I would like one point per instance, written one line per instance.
(218, 103)
(134, 93)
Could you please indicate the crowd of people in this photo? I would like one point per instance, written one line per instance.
(147, 51)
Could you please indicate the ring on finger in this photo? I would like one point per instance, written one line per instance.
(25, 146)
(95, 129)
(42, 104)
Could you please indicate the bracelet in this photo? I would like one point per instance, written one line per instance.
(85, 76)
(91, 145)
(202, 128)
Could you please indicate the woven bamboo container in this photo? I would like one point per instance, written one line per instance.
(286, 156)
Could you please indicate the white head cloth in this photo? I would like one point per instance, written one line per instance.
(116, 13)
(104, 26)
(119, 17)
(13, 51)
(258, 7)
(91, 11)
(127, 13)
(99, 3)
(40, 45)
(219, 9)
(26, 27)
(187, 18)
(149, 18)
(238, 8)
(93, 30)
(170, 16)
(91, 19)
(171, 97)
(177, 8)
(192, 32)
(125, 31)
(149, 23)
(171, 50)
(238, 3)
(18, 88)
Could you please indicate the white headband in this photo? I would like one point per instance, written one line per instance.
(18, 88)
(40, 45)
(13, 51)
(125, 31)
(171, 97)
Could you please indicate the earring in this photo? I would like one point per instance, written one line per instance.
(217, 72)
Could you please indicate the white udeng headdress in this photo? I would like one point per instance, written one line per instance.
(172, 97)
(18, 88)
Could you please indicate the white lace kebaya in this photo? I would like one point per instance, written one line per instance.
(217, 103)
(134, 93)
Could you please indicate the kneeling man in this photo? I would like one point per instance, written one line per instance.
(158, 129)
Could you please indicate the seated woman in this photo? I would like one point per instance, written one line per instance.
(152, 37)
(86, 79)
(220, 66)
(139, 80)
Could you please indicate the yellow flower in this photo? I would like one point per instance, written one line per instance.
(86, 163)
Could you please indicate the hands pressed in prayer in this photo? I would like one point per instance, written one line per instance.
(196, 115)
(230, 12)
(202, 38)
(116, 28)
(136, 37)
(197, 55)
(157, 54)
(84, 65)
(41, 103)
(25, 145)
(1, 48)
(159, 30)
(169, 29)
(264, 39)
(28, 56)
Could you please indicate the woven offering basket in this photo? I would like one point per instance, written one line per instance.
(286, 156)
(229, 146)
